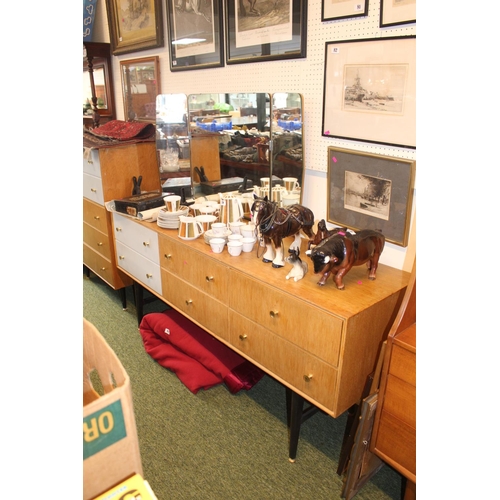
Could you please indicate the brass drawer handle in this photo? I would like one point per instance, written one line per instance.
(103, 269)
(308, 378)
(243, 336)
(274, 314)
(90, 161)
(93, 190)
(100, 244)
(96, 217)
(121, 257)
(168, 256)
(209, 278)
(118, 229)
(189, 302)
(149, 275)
(145, 243)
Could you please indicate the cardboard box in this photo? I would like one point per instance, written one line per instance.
(110, 444)
(133, 488)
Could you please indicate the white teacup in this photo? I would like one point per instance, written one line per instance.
(265, 181)
(248, 244)
(248, 230)
(189, 228)
(219, 228)
(290, 183)
(172, 203)
(195, 209)
(234, 247)
(234, 237)
(217, 244)
(290, 199)
(236, 226)
(206, 220)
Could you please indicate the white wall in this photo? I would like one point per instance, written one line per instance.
(298, 75)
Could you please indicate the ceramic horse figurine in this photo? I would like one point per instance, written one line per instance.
(337, 254)
(274, 224)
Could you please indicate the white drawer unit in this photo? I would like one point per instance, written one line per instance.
(91, 163)
(92, 188)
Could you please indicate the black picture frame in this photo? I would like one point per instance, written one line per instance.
(396, 13)
(204, 25)
(343, 10)
(127, 33)
(371, 191)
(369, 91)
(281, 32)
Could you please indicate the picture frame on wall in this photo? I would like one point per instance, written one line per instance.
(394, 12)
(265, 31)
(370, 191)
(140, 84)
(195, 38)
(343, 9)
(134, 26)
(369, 90)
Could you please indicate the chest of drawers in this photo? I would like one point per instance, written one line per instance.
(318, 341)
(107, 175)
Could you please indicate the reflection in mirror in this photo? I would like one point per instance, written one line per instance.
(100, 90)
(230, 136)
(287, 164)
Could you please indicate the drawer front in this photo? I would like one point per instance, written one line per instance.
(302, 324)
(91, 163)
(98, 264)
(403, 364)
(92, 188)
(141, 268)
(400, 400)
(198, 306)
(205, 273)
(142, 240)
(97, 241)
(95, 215)
(306, 373)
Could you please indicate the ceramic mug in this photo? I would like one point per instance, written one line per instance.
(248, 244)
(172, 203)
(217, 244)
(195, 209)
(206, 220)
(265, 181)
(234, 247)
(189, 227)
(291, 183)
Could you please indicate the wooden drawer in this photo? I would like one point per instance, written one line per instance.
(91, 162)
(95, 215)
(97, 241)
(302, 371)
(92, 188)
(308, 327)
(141, 268)
(399, 400)
(198, 306)
(403, 364)
(201, 271)
(99, 264)
(142, 240)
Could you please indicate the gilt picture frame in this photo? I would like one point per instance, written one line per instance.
(140, 84)
(134, 26)
(395, 12)
(195, 35)
(369, 90)
(343, 9)
(265, 31)
(371, 191)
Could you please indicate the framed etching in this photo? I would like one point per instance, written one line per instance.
(369, 90)
(394, 12)
(264, 30)
(134, 26)
(368, 191)
(140, 85)
(195, 34)
(343, 9)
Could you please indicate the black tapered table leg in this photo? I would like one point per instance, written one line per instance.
(139, 301)
(295, 405)
(123, 296)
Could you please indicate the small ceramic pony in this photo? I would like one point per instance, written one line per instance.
(299, 268)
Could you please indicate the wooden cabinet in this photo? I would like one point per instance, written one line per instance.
(320, 342)
(107, 175)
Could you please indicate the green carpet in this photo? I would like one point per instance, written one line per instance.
(216, 445)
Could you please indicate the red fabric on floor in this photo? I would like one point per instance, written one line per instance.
(198, 359)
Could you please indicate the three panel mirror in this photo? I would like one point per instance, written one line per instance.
(229, 142)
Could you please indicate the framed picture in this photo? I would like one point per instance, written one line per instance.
(195, 34)
(343, 9)
(140, 85)
(369, 191)
(393, 12)
(369, 90)
(262, 30)
(134, 26)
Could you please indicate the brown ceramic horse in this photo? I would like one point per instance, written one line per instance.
(337, 254)
(275, 223)
(322, 233)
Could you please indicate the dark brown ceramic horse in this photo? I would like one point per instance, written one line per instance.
(275, 223)
(337, 254)
(322, 233)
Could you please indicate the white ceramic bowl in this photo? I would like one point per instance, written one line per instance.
(248, 244)
(234, 247)
(234, 237)
(217, 244)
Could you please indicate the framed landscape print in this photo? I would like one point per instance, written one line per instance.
(369, 90)
(369, 191)
(343, 9)
(195, 34)
(394, 12)
(265, 30)
(134, 26)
